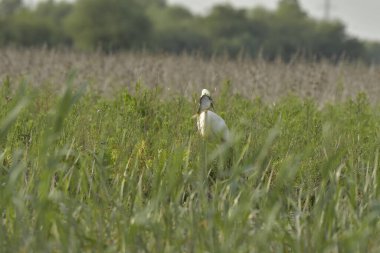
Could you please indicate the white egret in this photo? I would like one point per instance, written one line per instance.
(210, 125)
(213, 128)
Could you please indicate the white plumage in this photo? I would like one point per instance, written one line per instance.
(210, 125)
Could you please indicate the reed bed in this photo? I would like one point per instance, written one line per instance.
(187, 74)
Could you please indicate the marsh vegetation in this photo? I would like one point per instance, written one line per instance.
(98, 153)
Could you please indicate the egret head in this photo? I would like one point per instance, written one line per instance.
(205, 102)
(205, 92)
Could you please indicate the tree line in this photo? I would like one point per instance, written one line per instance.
(154, 25)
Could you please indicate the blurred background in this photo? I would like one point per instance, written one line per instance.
(312, 29)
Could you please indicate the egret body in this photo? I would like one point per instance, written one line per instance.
(210, 125)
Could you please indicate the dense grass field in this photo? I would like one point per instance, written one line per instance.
(81, 171)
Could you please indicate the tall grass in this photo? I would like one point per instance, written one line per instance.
(80, 172)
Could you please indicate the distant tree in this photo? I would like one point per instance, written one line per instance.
(224, 21)
(373, 52)
(54, 11)
(54, 14)
(170, 16)
(175, 30)
(160, 3)
(229, 30)
(25, 28)
(9, 7)
(329, 38)
(353, 49)
(289, 31)
(332, 42)
(290, 9)
(108, 24)
(260, 29)
(157, 26)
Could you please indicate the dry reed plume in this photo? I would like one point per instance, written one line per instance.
(187, 74)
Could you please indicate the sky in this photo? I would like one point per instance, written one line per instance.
(361, 17)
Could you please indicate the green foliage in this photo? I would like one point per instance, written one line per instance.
(373, 51)
(108, 25)
(84, 173)
(154, 25)
(174, 30)
(29, 29)
(34, 27)
(9, 7)
(229, 30)
(54, 14)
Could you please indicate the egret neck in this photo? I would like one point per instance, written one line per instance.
(205, 103)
